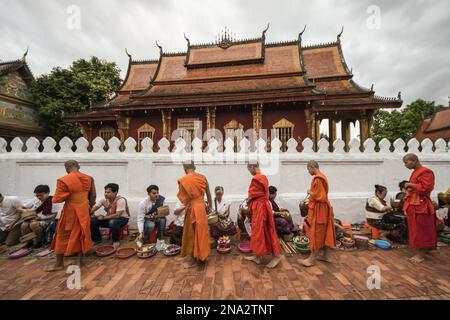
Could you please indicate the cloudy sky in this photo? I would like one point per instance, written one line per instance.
(397, 45)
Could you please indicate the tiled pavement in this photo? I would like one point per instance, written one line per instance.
(232, 277)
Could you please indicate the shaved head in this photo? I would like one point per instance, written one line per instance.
(313, 164)
(411, 156)
(72, 165)
(188, 166)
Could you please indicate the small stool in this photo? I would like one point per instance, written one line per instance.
(121, 232)
(375, 233)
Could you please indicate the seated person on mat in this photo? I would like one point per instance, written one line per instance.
(147, 217)
(46, 213)
(9, 220)
(225, 226)
(176, 227)
(117, 215)
(283, 220)
(379, 215)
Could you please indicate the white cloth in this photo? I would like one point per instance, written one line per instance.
(8, 210)
(222, 208)
(179, 220)
(121, 206)
(374, 202)
(144, 208)
(32, 204)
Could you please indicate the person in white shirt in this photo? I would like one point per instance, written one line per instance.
(176, 234)
(9, 220)
(117, 215)
(147, 217)
(380, 216)
(225, 226)
(46, 213)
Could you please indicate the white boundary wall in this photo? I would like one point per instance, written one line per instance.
(352, 175)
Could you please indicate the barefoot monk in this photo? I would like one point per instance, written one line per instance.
(264, 238)
(320, 217)
(73, 233)
(419, 209)
(195, 243)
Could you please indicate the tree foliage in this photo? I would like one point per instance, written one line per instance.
(72, 90)
(402, 123)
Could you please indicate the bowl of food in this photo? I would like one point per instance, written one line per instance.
(396, 204)
(301, 241)
(348, 242)
(223, 249)
(213, 218)
(147, 251)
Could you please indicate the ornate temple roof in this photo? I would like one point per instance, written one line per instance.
(251, 71)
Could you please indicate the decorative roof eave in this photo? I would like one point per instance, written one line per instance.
(302, 62)
(370, 105)
(223, 98)
(17, 65)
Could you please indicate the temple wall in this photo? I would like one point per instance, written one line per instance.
(352, 175)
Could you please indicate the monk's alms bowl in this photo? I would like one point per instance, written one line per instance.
(444, 197)
(213, 219)
(396, 204)
(303, 209)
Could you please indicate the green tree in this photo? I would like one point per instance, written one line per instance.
(72, 90)
(402, 123)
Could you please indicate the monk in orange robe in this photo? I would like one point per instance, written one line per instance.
(195, 245)
(419, 209)
(264, 238)
(320, 217)
(73, 233)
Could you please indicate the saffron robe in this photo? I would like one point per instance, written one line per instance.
(419, 209)
(264, 238)
(320, 215)
(73, 232)
(191, 193)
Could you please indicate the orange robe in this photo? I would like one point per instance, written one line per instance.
(73, 233)
(419, 209)
(264, 238)
(191, 192)
(320, 215)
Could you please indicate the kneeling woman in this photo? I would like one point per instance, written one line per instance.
(379, 213)
(225, 226)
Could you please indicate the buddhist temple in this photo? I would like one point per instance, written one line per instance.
(435, 127)
(234, 85)
(17, 113)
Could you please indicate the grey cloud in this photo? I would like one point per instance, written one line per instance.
(410, 53)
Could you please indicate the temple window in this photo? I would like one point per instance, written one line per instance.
(188, 128)
(234, 130)
(107, 133)
(145, 131)
(284, 130)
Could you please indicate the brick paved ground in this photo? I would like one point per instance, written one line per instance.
(232, 277)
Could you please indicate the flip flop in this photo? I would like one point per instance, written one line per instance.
(44, 253)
